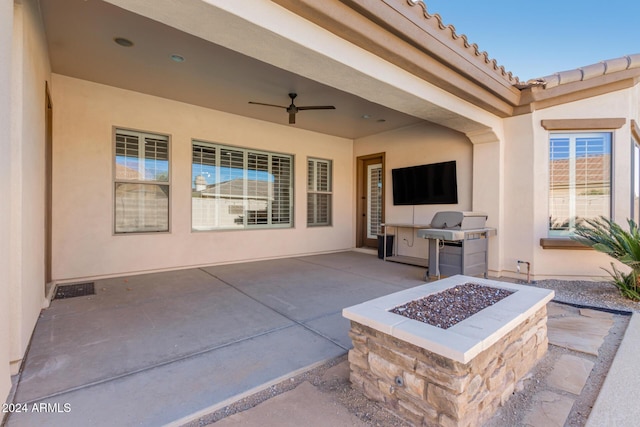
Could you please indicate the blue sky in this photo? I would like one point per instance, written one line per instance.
(538, 38)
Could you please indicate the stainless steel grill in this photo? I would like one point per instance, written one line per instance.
(457, 244)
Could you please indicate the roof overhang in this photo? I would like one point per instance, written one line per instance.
(542, 96)
(405, 34)
(274, 50)
(389, 57)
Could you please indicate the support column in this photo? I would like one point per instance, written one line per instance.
(488, 189)
(6, 35)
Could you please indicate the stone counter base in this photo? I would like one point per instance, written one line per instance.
(427, 389)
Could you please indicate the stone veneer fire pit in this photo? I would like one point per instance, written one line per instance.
(453, 377)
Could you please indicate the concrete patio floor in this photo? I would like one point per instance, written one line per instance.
(155, 348)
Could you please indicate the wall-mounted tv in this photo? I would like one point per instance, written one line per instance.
(433, 184)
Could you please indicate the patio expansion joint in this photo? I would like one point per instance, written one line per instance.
(146, 368)
(350, 272)
(299, 323)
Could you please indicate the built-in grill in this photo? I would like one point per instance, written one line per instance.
(457, 244)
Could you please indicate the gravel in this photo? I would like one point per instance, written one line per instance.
(451, 306)
(599, 295)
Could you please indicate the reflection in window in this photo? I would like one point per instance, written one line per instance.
(238, 188)
(579, 179)
(141, 202)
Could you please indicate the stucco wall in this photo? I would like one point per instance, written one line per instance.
(517, 233)
(417, 145)
(31, 71)
(6, 32)
(527, 173)
(83, 241)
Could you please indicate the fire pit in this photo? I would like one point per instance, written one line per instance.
(452, 306)
(456, 376)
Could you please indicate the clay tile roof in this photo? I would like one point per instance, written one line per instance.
(592, 169)
(579, 74)
(463, 41)
(123, 172)
(235, 188)
(588, 72)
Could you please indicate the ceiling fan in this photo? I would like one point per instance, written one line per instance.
(293, 109)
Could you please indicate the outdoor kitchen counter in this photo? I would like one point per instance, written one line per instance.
(403, 259)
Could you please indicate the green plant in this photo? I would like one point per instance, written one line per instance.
(605, 236)
(627, 283)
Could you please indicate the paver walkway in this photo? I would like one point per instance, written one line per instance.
(575, 329)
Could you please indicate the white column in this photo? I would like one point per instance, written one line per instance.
(6, 33)
(488, 189)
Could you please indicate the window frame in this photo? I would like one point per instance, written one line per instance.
(115, 180)
(312, 189)
(573, 135)
(245, 154)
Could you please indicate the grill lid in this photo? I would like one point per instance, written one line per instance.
(459, 220)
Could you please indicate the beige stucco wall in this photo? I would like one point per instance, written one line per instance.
(83, 241)
(416, 145)
(31, 71)
(489, 193)
(517, 233)
(6, 33)
(527, 176)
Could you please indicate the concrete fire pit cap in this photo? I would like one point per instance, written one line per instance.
(464, 340)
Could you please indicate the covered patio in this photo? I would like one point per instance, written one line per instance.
(137, 144)
(155, 348)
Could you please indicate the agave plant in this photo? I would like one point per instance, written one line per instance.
(605, 236)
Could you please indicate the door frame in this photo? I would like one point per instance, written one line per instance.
(360, 194)
(48, 185)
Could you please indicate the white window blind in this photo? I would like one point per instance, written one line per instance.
(240, 188)
(579, 179)
(374, 198)
(282, 170)
(319, 192)
(141, 187)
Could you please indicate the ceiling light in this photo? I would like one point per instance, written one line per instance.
(177, 58)
(366, 116)
(381, 120)
(123, 42)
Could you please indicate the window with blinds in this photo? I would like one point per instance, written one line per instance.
(319, 192)
(141, 185)
(235, 188)
(579, 179)
(374, 200)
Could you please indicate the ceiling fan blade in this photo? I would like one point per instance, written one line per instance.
(317, 107)
(267, 105)
(292, 118)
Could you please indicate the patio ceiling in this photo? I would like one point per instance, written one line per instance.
(81, 37)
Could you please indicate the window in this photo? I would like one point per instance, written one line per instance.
(374, 200)
(318, 192)
(141, 202)
(235, 188)
(579, 179)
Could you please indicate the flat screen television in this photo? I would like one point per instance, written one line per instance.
(433, 184)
